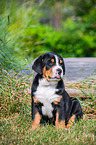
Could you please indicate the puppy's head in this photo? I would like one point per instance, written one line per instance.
(50, 65)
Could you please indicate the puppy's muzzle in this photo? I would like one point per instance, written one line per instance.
(59, 71)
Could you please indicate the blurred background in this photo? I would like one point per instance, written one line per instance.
(29, 28)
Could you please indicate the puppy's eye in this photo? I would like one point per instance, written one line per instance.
(61, 62)
(50, 62)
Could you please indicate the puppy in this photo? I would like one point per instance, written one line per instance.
(50, 102)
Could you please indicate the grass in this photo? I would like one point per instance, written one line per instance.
(88, 89)
(16, 117)
(17, 130)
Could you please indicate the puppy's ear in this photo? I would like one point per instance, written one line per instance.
(37, 65)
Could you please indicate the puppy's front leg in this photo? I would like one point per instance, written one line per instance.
(59, 123)
(71, 121)
(36, 121)
(36, 117)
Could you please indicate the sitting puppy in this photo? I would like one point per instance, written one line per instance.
(50, 101)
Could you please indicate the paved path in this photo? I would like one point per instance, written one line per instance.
(76, 70)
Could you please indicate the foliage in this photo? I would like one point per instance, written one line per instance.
(84, 7)
(72, 41)
(25, 37)
(7, 61)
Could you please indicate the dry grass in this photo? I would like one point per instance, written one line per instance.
(16, 117)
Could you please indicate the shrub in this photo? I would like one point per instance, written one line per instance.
(6, 58)
(27, 38)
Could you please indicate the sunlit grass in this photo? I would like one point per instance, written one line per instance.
(17, 130)
(16, 117)
(14, 94)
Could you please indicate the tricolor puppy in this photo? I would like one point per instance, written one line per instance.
(50, 101)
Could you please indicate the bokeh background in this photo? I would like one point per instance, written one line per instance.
(29, 28)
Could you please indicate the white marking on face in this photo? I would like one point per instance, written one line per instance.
(57, 64)
(46, 94)
(55, 68)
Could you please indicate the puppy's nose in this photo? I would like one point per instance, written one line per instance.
(59, 71)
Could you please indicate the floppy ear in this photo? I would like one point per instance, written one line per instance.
(37, 65)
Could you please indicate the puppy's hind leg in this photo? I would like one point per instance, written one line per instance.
(76, 109)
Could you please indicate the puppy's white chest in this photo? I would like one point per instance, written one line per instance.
(46, 94)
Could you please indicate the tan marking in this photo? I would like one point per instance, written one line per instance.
(59, 124)
(71, 121)
(36, 122)
(47, 73)
(58, 100)
(42, 60)
(52, 60)
(35, 99)
(60, 61)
